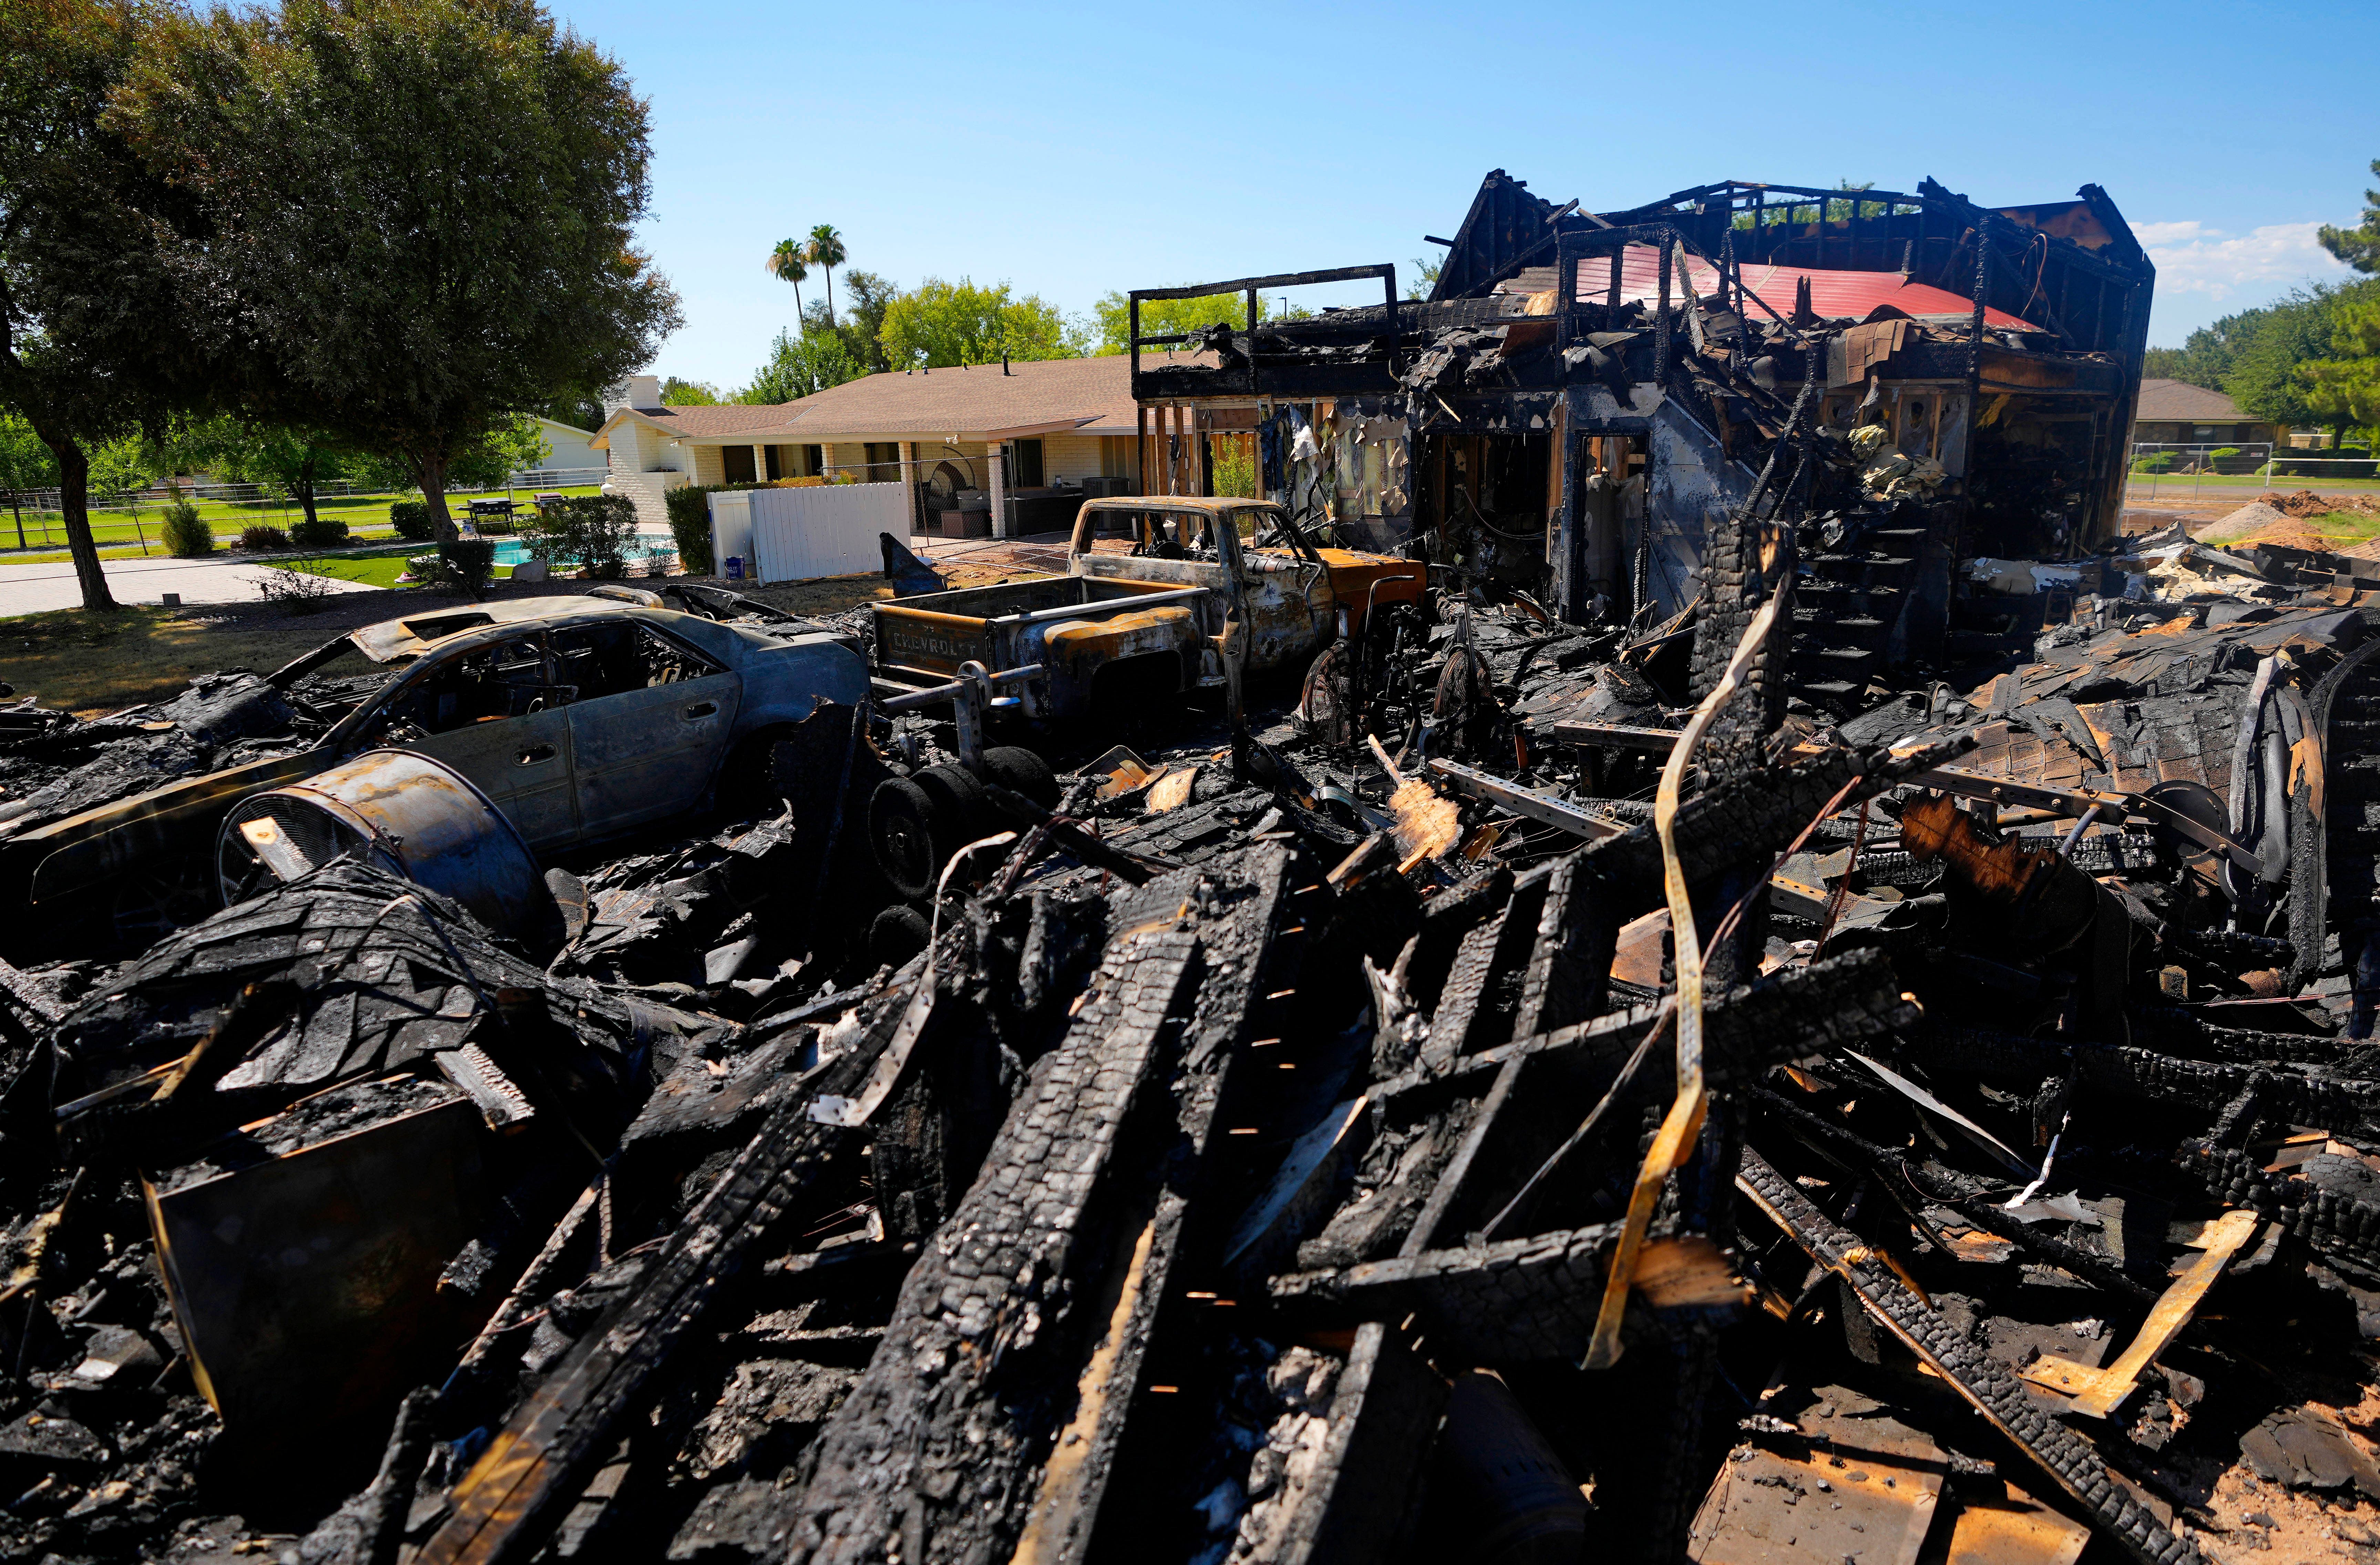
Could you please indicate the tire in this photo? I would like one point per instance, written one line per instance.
(1020, 771)
(961, 812)
(899, 933)
(904, 828)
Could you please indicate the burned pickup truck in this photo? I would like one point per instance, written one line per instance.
(1121, 629)
(579, 718)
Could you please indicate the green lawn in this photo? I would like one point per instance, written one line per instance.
(366, 515)
(2286, 483)
(379, 568)
(223, 549)
(2344, 528)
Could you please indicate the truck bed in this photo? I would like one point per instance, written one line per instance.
(933, 633)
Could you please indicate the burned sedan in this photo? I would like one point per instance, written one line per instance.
(580, 717)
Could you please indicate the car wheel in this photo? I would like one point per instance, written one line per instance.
(902, 821)
(961, 814)
(899, 933)
(1020, 771)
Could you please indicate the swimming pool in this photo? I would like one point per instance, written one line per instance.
(514, 551)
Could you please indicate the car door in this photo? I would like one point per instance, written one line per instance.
(492, 714)
(643, 751)
(523, 764)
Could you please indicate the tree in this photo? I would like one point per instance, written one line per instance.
(581, 409)
(689, 393)
(942, 324)
(293, 458)
(1424, 277)
(870, 295)
(825, 252)
(93, 339)
(25, 464)
(490, 462)
(1169, 318)
(801, 366)
(788, 261)
(1783, 210)
(2359, 246)
(2265, 380)
(2209, 354)
(471, 175)
(2344, 389)
(861, 327)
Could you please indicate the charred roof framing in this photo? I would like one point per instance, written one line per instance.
(1664, 343)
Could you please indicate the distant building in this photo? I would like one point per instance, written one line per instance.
(1026, 433)
(570, 448)
(2177, 413)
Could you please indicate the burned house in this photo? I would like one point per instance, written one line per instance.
(1582, 394)
(1576, 1093)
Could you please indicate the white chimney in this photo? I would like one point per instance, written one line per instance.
(636, 390)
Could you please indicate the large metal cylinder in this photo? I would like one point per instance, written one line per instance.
(1518, 1504)
(408, 812)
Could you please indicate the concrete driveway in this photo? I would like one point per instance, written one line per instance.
(31, 590)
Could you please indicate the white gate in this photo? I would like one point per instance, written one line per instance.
(801, 534)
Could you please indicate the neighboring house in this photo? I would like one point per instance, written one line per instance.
(570, 448)
(2177, 413)
(1022, 433)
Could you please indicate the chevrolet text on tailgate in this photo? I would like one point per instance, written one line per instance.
(1122, 628)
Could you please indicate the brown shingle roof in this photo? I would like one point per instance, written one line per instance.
(2181, 403)
(962, 401)
(1094, 395)
(723, 419)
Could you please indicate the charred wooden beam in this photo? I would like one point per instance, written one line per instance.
(1983, 1380)
(564, 1428)
(1358, 1501)
(1747, 817)
(1240, 905)
(2148, 1074)
(1010, 1328)
(1516, 1300)
(1491, 1123)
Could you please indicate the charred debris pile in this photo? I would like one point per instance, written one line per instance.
(1544, 1086)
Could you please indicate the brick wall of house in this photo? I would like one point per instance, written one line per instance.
(1073, 457)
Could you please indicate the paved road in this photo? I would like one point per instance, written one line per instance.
(31, 589)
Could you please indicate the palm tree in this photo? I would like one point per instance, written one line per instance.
(825, 252)
(790, 261)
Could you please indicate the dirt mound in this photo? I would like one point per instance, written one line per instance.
(2306, 502)
(2250, 521)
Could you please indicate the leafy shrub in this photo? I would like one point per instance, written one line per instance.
(186, 536)
(468, 564)
(412, 520)
(592, 531)
(324, 532)
(2155, 462)
(262, 540)
(689, 524)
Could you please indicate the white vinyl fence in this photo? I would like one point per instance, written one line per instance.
(802, 534)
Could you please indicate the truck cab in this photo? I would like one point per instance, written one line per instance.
(1147, 620)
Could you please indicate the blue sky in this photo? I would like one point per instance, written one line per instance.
(1071, 151)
